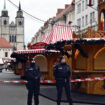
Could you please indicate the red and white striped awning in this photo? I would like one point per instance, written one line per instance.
(44, 38)
(59, 33)
(35, 51)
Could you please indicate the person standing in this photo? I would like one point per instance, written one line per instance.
(62, 77)
(33, 84)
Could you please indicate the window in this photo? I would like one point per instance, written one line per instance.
(93, 2)
(10, 40)
(5, 22)
(86, 4)
(6, 54)
(92, 17)
(79, 8)
(86, 20)
(79, 22)
(15, 38)
(20, 23)
(83, 5)
(83, 21)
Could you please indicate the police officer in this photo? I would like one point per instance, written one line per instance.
(33, 85)
(62, 77)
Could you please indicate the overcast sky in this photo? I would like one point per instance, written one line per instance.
(43, 9)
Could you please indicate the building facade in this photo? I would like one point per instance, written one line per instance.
(63, 16)
(5, 49)
(46, 29)
(86, 16)
(14, 32)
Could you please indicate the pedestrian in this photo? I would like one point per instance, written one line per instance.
(62, 77)
(33, 84)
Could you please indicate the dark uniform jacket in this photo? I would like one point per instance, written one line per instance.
(62, 73)
(33, 77)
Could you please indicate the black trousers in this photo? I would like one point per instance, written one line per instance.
(32, 93)
(60, 87)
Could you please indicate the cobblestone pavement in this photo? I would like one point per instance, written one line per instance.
(16, 94)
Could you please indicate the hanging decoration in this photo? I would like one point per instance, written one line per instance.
(84, 54)
(76, 44)
(90, 2)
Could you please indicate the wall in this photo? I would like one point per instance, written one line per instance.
(86, 10)
(70, 16)
(13, 29)
(94, 67)
(3, 50)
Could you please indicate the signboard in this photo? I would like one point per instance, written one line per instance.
(39, 45)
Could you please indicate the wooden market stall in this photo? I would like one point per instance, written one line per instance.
(87, 52)
(87, 59)
(93, 65)
(45, 59)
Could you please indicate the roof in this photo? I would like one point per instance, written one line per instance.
(60, 15)
(58, 33)
(76, 41)
(34, 51)
(4, 43)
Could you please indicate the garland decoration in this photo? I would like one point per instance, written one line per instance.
(76, 44)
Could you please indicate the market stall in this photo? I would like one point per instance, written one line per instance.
(44, 59)
(87, 60)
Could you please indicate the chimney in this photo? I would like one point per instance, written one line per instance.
(59, 11)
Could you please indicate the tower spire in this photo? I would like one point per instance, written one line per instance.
(19, 12)
(4, 5)
(19, 6)
(4, 11)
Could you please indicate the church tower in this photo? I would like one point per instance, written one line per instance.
(20, 28)
(4, 22)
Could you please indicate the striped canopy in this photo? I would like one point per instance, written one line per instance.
(58, 33)
(44, 38)
(35, 51)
